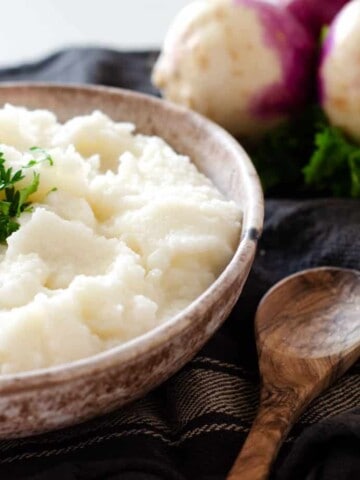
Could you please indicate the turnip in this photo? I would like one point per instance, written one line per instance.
(314, 14)
(245, 64)
(339, 74)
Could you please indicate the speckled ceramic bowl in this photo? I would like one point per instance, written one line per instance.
(47, 399)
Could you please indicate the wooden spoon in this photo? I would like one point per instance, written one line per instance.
(308, 334)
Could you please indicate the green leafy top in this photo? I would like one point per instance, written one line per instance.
(334, 164)
(308, 155)
(15, 201)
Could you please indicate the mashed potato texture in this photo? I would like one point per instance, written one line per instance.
(132, 234)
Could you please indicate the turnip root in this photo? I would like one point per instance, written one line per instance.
(245, 64)
(339, 74)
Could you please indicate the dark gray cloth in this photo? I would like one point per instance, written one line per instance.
(88, 65)
(194, 425)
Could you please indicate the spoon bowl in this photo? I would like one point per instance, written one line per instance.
(308, 334)
(311, 314)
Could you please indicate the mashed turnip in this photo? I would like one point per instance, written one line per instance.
(132, 234)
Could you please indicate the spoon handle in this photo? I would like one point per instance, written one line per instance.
(277, 413)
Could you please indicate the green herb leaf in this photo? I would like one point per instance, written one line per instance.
(16, 201)
(7, 227)
(354, 165)
(335, 163)
(44, 156)
(280, 156)
(21, 204)
(307, 156)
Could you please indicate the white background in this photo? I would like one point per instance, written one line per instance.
(30, 29)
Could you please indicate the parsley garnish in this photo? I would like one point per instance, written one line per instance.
(44, 156)
(15, 200)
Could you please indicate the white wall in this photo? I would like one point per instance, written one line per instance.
(32, 28)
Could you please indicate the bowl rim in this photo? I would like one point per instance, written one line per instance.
(153, 339)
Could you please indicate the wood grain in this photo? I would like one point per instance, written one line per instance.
(308, 334)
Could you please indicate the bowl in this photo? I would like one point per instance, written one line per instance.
(47, 399)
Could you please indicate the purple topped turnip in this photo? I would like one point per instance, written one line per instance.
(314, 14)
(245, 64)
(339, 74)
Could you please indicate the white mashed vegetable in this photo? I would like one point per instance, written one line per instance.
(132, 234)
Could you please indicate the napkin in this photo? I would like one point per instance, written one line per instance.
(194, 424)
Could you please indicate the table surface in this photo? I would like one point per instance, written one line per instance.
(32, 29)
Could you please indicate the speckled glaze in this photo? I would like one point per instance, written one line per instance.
(42, 400)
